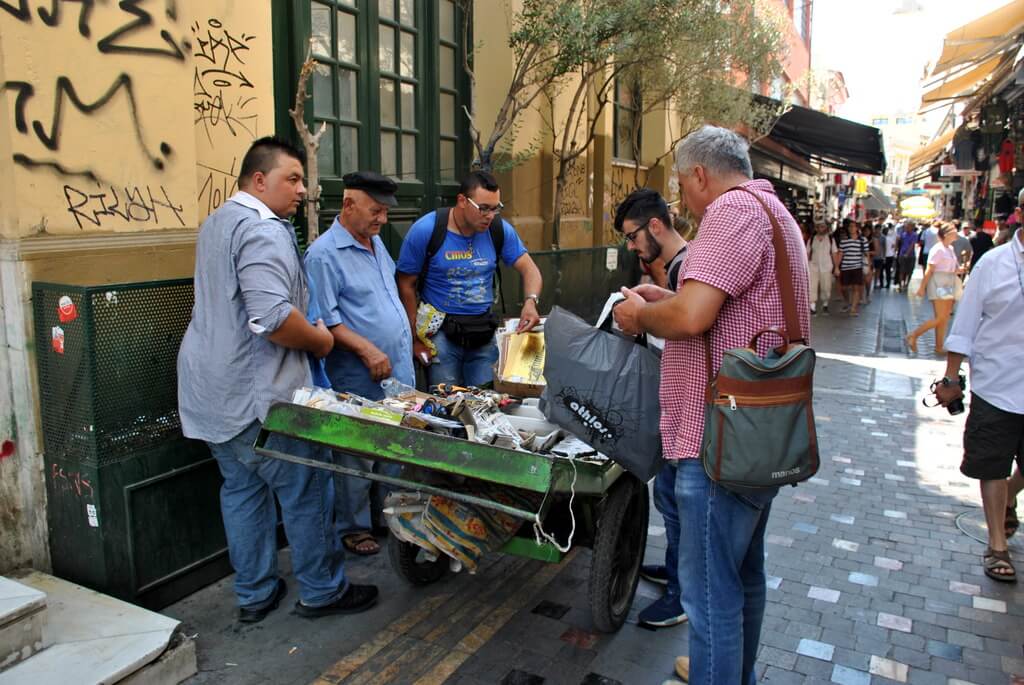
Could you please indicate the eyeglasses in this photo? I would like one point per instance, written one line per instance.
(631, 236)
(484, 209)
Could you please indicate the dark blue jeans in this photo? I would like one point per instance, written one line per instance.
(721, 569)
(665, 503)
(460, 365)
(250, 520)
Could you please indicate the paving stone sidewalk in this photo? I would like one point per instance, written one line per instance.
(874, 570)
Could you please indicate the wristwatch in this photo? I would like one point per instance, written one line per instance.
(533, 296)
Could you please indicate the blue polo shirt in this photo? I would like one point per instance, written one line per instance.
(350, 285)
(461, 275)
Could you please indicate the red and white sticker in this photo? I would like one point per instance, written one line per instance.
(57, 339)
(66, 309)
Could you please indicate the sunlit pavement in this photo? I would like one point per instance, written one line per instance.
(874, 569)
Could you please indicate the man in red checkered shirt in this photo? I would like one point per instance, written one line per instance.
(727, 289)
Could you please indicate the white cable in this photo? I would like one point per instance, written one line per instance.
(538, 528)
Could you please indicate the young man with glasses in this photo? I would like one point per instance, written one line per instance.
(446, 274)
(643, 218)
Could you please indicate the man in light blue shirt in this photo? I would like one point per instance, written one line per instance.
(352, 287)
(989, 330)
(245, 348)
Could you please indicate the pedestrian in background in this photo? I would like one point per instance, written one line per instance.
(871, 260)
(730, 292)
(942, 288)
(927, 240)
(889, 241)
(852, 253)
(821, 266)
(905, 257)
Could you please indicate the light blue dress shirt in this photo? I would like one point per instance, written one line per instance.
(248, 277)
(353, 286)
(989, 326)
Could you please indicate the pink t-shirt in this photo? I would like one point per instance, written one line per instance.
(732, 252)
(943, 258)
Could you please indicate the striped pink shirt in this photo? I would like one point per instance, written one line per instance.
(732, 252)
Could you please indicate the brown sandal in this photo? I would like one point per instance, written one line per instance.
(993, 562)
(363, 544)
(1012, 522)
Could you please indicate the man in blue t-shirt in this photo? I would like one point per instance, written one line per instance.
(458, 284)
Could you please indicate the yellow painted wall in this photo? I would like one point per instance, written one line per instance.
(118, 120)
(232, 92)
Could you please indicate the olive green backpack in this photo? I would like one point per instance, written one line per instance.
(758, 420)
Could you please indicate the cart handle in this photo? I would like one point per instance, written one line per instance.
(390, 480)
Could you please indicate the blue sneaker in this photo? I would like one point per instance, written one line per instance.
(663, 613)
(654, 574)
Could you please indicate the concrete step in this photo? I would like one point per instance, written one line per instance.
(98, 639)
(22, 618)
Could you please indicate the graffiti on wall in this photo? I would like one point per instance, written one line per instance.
(223, 95)
(217, 185)
(80, 114)
(133, 204)
(575, 199)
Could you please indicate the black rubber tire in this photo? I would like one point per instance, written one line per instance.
(618, 552)
(406, 559)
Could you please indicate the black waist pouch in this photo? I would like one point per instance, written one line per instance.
(470, 330)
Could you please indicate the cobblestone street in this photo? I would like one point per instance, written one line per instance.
(874, 570)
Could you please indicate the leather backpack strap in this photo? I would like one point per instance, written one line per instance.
(783, 275)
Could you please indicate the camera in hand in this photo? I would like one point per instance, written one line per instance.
(956, 406)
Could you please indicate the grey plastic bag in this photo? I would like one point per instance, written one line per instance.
(603, 387)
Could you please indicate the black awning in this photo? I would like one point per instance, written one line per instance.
(834, 142)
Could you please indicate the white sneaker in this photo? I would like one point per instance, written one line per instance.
(813, 309)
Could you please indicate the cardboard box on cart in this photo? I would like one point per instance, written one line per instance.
(520, 368)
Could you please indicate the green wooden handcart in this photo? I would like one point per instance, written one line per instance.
(608, 505)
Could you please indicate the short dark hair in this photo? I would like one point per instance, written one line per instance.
(477, 179)
(642, 205)
(262, 156)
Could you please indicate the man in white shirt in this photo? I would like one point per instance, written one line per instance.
(821, 266)
(989, 330)
(889, 240)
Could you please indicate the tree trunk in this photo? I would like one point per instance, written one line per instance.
(556, 214)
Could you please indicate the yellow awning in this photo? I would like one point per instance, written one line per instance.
(978, 39)
(926, 153)
(963, 84)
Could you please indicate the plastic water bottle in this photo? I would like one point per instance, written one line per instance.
(394, 387)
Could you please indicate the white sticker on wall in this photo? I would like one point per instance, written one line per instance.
(90, 512)
(611, 258)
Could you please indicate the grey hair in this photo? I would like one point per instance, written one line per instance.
(717, 149)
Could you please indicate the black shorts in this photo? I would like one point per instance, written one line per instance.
(850, 277)
(993, 439)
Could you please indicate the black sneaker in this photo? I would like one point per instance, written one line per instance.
(356, 599)
(654, 574)
(257, 615)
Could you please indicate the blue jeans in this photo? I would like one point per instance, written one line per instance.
(665, 502)
(721, 564)
(460, 365)
(306, 495)
(352, 504)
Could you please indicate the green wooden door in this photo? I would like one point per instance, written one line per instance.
(390, 87)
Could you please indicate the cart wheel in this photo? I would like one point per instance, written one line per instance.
(410, 562)
(618, 552)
